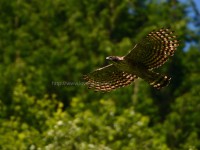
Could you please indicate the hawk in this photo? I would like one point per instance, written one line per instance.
(150, 53)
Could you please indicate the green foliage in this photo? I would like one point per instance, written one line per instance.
(46, 44)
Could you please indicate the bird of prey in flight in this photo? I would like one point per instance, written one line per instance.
(150, 53)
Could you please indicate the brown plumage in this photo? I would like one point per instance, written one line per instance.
(150, 53)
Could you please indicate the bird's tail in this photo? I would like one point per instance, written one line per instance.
(157, 80)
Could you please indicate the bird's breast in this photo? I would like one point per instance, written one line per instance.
(124, 67)
(128, 67)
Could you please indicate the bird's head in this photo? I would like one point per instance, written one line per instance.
(114, 59)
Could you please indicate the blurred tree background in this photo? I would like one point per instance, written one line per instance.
(46, 42)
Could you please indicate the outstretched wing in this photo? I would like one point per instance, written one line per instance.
(155, 49)
(108, 78)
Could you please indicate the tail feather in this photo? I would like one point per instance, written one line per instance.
(157, 80)
(161, 81)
